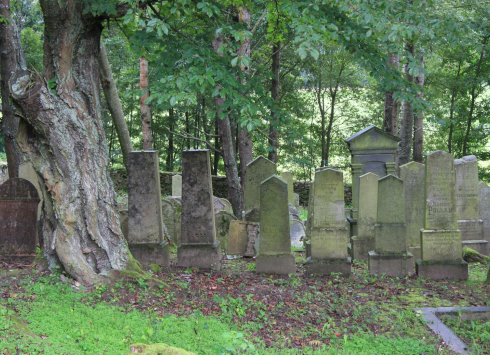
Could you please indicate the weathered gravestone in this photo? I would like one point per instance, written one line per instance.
(485, 211)
(390, 255)
(297, 232)
(218, 205)
(146, 239)
(413, 176)
(199, 246)
(18, 220)
(222, 220)
(257, 171)
(372, 150)
(328, 233)
(242, 238)
(27, 172)
(363, 242)
(168, 216)
(275, 255)
(296, 200)
(177, 185)
(227, 205)
(468, 204)
(440, 239)
(177, 203)
(288, 177)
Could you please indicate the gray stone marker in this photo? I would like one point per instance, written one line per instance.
(258, 170)
(177, 185)
(485, 211)
(26, 171)
(242, 238)
(296, 200)
(222, 220)
(372, 150)
(468, 204)
(413, 176)
(390, 256)
(145, 225)
(227, 204)
(275, 255)
(328, 233)
(297, 232)
(440, 239)
(168, 216)
(363, 242)
(219, 205)
(288, 177)
(199, 246)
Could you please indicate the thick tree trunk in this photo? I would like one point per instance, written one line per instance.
(392, 106)
(62, 134)
(8, 65)
(273, 138)
(145, 107)
(216, 146)
(418, 127)
(112, 98)
(169, 166)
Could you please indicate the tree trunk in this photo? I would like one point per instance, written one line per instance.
(273, 139)
(406, 129)
(8, 65)
(418, 129)
(145, 107)
(112, 98)
(169, 166)
(216, 146)
(63, 136)
(454, 92)
(392, 106)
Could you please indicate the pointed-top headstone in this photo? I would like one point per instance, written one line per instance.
(257, 171)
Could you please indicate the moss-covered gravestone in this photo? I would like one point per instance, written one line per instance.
(145, 225)
(413, 176)
(440, 239)
(363, 242)
(275, 255)
(328, 232)
(288, 177)
(199, 246)
(390, 255)
(168, 215)
(468, 204)
(177, 185)
(222, 220)
(485, 211)
(242, 238)
(257, 171)
(296, 200)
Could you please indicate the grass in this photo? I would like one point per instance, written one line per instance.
(475, 333)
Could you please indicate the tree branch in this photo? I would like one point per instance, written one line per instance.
(194, 138)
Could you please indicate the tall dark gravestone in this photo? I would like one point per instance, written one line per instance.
(18, 220)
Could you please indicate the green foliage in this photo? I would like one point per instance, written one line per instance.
(475, 333)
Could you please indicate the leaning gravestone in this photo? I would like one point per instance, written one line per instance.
(297, 232)
(275, 255)
(390, 255)
(218, 205)
(18, 220)
(363, 242)
(177, 185)
(288, 177)
(468, 204)
(146, 238)
(227, 205)
(485, 211)
(222, 220)
(413, 176)
(440, 245)
(199, 246)
(328, 233)
(257, 171)
(27, 172)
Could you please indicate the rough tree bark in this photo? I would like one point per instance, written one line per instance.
(8, 65)
(392, 106)
(112, 98)
(454, 93)
(145, 108)
(62, 134)
(418, 125)
(273, 139)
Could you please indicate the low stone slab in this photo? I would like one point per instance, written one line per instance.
(151, 253)
(326, 267)
(391, 265)
(439, 270)
(275, 264)
(200, 256)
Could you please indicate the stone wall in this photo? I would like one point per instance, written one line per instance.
(302, 188)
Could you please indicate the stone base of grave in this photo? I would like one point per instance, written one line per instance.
(206, 256)
(440, 244)
(326, 267)
(471, 229)
(275, 264)
(481, 246)
(360, 247)
(148, 254)
(415, 251)
(400, 265)
(438, 270)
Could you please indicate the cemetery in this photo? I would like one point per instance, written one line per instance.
(244, 177)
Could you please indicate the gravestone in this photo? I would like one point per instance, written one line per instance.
(297, 232)
(363, 242)
(242, 238)
(27, 172)
(177, 185)
(18, 220)
(413, 176)
(199, 246)
(390, 256)
(296, 200)
(275, 255)
(146, 239)
(122, 204)
(257, 171)
(372, 150)
(293, 211)
(440, 239)
(328, 233)
(288, 177)
(168, 216)
(468, 204)
(218, 205)
(4, 173)
(222, 220)
(227, 204)
(485, 211)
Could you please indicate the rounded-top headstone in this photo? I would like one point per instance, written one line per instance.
(18, 189)
(391, 200)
